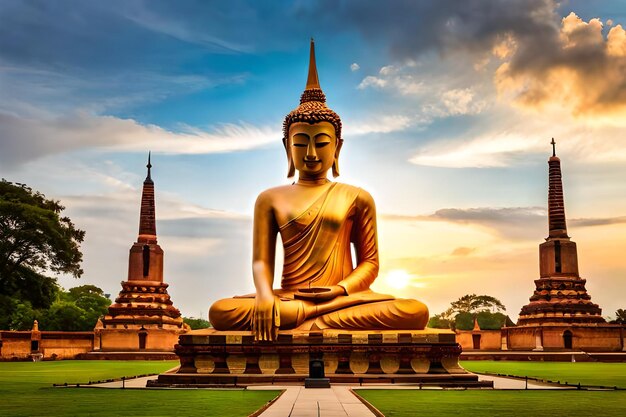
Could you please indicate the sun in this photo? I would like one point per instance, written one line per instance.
(398, 278)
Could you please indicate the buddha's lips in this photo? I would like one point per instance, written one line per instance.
(311, 162)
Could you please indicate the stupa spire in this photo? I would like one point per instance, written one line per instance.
(560, 296)
(147, 217)
(557, 226)
(148, 177)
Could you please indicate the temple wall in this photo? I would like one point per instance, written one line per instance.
(521, 338)
(65, 345)
(585, 338)
(485, 339)
(52, 345)
(126, 340)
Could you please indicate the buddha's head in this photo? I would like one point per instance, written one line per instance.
(312, 131)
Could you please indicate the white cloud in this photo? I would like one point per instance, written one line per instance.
(379, 124)
(491, 150)
(355, 67)
(25, 139)
(371, 81)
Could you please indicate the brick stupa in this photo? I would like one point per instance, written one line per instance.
(143, 317)
(560, 314)
(560, 295)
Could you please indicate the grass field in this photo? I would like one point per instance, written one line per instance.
(26, 390)
(434, 403)
(587, 373)
(397, 403)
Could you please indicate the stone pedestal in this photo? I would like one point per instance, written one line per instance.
(213, 358)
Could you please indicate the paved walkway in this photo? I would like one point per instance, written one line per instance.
(336, 401)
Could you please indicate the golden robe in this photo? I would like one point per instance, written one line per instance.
(318, 254)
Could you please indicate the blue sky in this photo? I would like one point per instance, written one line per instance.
(448, 108)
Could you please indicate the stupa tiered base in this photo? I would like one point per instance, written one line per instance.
(211, 358)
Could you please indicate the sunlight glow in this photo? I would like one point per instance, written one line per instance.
(398, 278)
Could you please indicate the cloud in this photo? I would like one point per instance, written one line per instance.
(511, 222)
(379, 124)
(23, 139)
(574, 66)
(541, 60)
(462, 251)
(605, 221)
(354, 67)
(399, 79)
(491, 150)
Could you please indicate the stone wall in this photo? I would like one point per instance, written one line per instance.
(128, 340)
(15, 345)
(588, 338)
(479, 339)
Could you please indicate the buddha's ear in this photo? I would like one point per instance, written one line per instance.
(291, 168)
(336, 161)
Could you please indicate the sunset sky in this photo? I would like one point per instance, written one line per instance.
(448, 106)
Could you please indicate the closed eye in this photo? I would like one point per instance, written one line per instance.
(300, 145)
(322, 144)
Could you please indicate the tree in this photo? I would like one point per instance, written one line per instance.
(486, 309)
(196, 323)
(35, 239)
(65, 316)
(91, 300)
(474, 304)
(620, 317)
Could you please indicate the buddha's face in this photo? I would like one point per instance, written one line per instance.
(313, 148)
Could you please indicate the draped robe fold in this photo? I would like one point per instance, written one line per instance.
(318, 254)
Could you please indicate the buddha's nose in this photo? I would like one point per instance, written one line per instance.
(311, 155)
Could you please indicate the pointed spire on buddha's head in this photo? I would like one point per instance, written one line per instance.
(312, 81)
(312, 108)
(312, 91)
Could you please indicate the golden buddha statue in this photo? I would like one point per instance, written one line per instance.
(317, 220)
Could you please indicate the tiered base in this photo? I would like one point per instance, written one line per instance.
(211, 358)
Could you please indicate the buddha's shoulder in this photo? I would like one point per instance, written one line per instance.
(361, 195)
(272, 194)
(274, 191)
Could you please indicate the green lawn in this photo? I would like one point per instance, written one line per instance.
(587, 373)
(433, 403)
(515, 403)
(26, 390)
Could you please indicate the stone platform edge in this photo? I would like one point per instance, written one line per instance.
(316, 337)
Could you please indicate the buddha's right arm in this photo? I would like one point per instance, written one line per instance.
(265, 230)
(264, 247)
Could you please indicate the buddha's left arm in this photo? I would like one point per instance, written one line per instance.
(365, 241)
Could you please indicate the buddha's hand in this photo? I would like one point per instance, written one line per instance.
(335, 291)
(265, 318)
(328, 293)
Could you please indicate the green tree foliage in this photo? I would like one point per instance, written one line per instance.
(35, 239)
(475, 304)
(64, 316)
(620, 317)
(196, 323)
(438, 322)
(488, 310)
(23, 316)
(77, 309)
(464, 321)
(493, 321)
